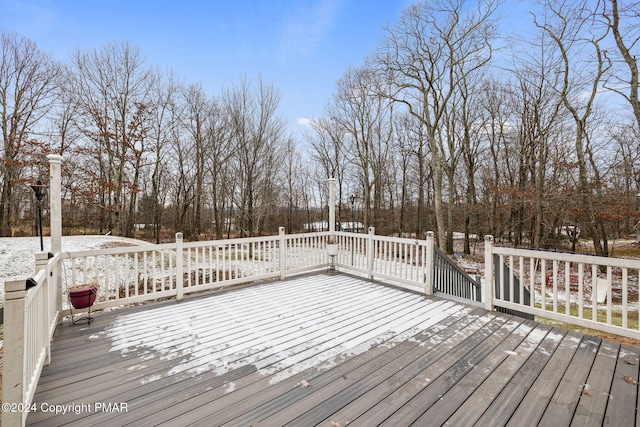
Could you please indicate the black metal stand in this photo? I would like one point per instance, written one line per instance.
(332, 264)
(86, 320)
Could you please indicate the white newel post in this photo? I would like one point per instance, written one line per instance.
(283, 252)
(179, 266)
(428, 284)
(14, 378)
(55, 201)
(488, 272)
(372, 232)
(331, 182)
(55, 212)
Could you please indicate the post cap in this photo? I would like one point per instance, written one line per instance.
(13, 286)
(43, 256)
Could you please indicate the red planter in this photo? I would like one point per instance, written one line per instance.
(82, 298)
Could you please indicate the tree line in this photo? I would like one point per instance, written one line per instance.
(449, 124)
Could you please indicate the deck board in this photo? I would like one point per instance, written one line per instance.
(393, 391)
(332, 350)
(443, 374)
(621, 407)
(214, 400)
(445, 407)
(511, 394)
(535, 402)
(326, 386)
(407, 365)
(344, 371)
(563, 404)
(595, 394)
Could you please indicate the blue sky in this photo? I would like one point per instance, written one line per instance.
(301, 46)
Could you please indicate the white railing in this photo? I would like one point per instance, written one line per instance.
(304, 252)
(134, 274)
(130, 274)
(31, 315)
(398, 260)
(594, 292)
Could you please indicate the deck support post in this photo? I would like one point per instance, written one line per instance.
(14, 380)
(283, 252)
(372, 232)
(331, 183)
(428, 273)
(179, 266)
(488, 272)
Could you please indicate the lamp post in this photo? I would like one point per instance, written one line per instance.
(38, 189)
(352, 199)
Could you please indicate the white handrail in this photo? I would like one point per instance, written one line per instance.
(30, 319)
(573, 288)
(133, 274)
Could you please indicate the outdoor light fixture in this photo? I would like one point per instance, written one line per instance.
(352, 199)
(39, 189)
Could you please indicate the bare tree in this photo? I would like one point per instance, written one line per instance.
(166, 118)
(364, 118)
(583, 68)
(27, 90)
(623, 22)
(537, 116)
(293, 192)
(625, 179)
(434, 44)
(112, 91)
(326, 149)
(257, 135)
(197, 114)
(496, 127)
(469, 126)
(219, 150)
(405, 151)
(183, 181)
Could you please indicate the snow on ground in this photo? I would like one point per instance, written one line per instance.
(17, 254)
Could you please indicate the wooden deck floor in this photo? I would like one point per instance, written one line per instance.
(331, 351)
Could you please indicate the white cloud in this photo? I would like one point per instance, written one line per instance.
(306, 26)
(30, 18)
(303, 121)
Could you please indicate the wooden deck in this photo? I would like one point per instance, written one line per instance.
(330, 351)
